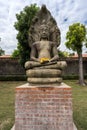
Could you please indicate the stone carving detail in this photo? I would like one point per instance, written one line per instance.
(44, 38)
(54, 32)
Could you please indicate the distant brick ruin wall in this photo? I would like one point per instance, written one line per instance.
(10, 66)
(73, 67)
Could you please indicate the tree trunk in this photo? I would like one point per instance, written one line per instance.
(81, 77)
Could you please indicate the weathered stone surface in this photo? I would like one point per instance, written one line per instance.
(60, 65)
(45, 80)
(34, 31)
(43, 108)
(54, 65)
(44, 38)
(43, 73)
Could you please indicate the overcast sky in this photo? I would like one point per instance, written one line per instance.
(65, 12)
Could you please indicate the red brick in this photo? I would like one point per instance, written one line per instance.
(41, 108)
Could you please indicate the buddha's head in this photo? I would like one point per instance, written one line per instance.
(44, 31)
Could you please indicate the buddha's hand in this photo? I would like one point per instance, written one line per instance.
(51, 60)
(55, 58)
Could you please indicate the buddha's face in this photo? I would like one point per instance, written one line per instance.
(44, 32)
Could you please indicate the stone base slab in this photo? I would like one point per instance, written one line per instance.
(43, 108)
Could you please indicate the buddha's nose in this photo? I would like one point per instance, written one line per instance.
(44, 32)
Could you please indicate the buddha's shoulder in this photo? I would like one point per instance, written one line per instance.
(36, 43)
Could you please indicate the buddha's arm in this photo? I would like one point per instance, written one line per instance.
(33, 54)
(55, 54)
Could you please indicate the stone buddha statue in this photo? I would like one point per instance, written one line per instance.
(44, 66)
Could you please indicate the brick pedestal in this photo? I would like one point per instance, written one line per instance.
(43, 108)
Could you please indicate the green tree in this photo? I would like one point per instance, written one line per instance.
(16, 54)
(24, 20)
(63, 54)
(2, 52)
(76, 38)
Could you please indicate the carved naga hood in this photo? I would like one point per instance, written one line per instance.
(34, 31)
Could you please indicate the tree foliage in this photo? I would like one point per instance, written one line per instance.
(16, 54)
(24, 20)
(63, 54)
(2, 52)
(76, 38)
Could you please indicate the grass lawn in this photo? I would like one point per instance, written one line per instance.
(7, 98)
(79, 104)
